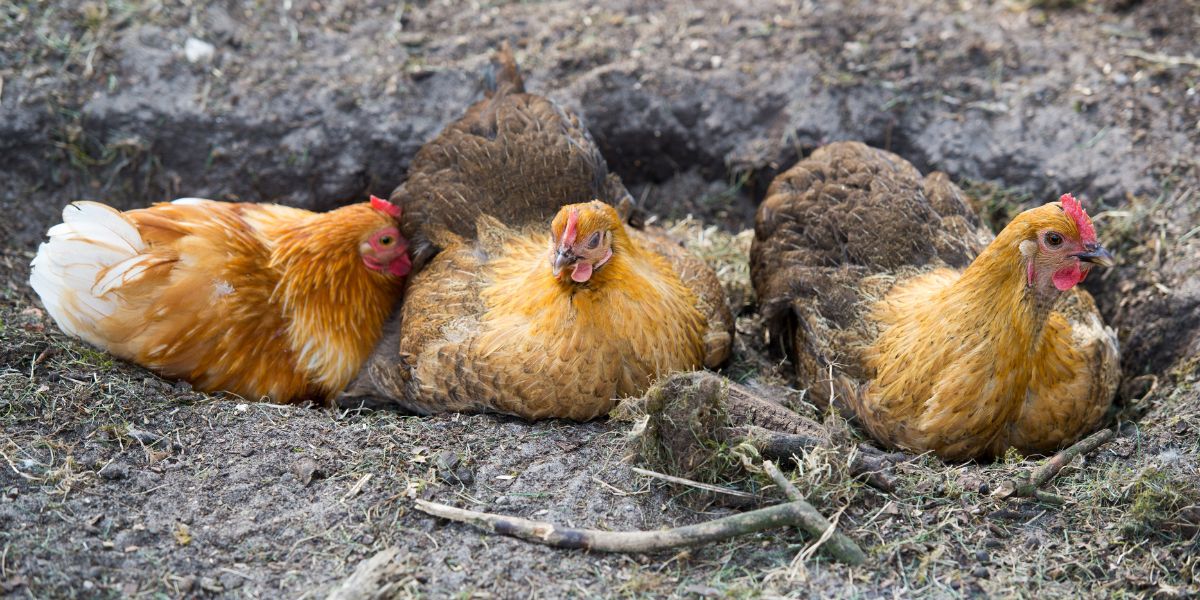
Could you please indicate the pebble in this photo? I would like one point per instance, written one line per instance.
(230, 581)
(115, 471)
(306, 469)
(187, 583)
(447, 459)
(465, 475)
(198, 51)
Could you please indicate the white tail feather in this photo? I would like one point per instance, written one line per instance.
(94, 251)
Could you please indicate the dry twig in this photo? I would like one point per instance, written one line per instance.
(1164, 59)
(541, 532)
(690, 483)
(1028, 488)
(375, 578)
(838, 544)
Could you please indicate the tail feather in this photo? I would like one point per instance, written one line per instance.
(90, 254)
(110, 219)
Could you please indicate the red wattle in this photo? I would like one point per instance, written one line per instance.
(401, 266)
(1066, 278)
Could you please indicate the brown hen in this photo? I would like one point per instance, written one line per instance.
(528, 304)
(891, 297)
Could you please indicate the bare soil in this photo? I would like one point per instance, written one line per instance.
(115, 483)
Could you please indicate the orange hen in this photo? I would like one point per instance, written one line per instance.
(530, 304)
(256, 299)
(865, 273)
(560, 325)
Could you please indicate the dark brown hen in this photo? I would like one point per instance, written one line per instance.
(513, 156)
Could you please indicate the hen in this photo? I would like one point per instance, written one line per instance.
(530, 305)
(256, 299)
(864, 272)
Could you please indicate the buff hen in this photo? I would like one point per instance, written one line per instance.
(261, 300)
(888, 294)
(537, 299)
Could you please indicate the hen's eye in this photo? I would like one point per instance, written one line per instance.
(386, 240)
(594, 241)
(1053, 239)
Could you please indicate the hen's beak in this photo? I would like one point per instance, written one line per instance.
(1096, 254)
(562, 258)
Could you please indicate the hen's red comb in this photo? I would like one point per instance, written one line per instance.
(1071, 206)
(386, 207)
(572, 229)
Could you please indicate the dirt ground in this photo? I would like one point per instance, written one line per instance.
(115, 483)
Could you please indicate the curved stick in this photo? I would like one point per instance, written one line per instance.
(541, 532)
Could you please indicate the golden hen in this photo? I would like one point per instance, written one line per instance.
(864, 272)
(530, 305)
(256, 299)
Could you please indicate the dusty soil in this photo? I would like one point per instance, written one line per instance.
(116, 483)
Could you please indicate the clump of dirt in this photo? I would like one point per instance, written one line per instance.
(680, 416)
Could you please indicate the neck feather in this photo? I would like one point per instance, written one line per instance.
(335, 305)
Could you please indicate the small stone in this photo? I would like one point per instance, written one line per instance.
(231, 581)
(187, 583)
(465, 476)
(209, 584)
(982, 556)
(306, 469)
(447, 459)
(198, 51)
(114, 471)
(980, 573)
(142, 436)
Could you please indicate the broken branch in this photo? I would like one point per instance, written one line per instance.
(376, 577)
(1163, 59)
(541, 532)
(1029, 488)
(839, 545)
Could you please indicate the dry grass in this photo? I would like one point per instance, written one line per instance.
(727, 253)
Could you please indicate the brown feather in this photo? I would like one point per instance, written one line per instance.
(485, 325)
